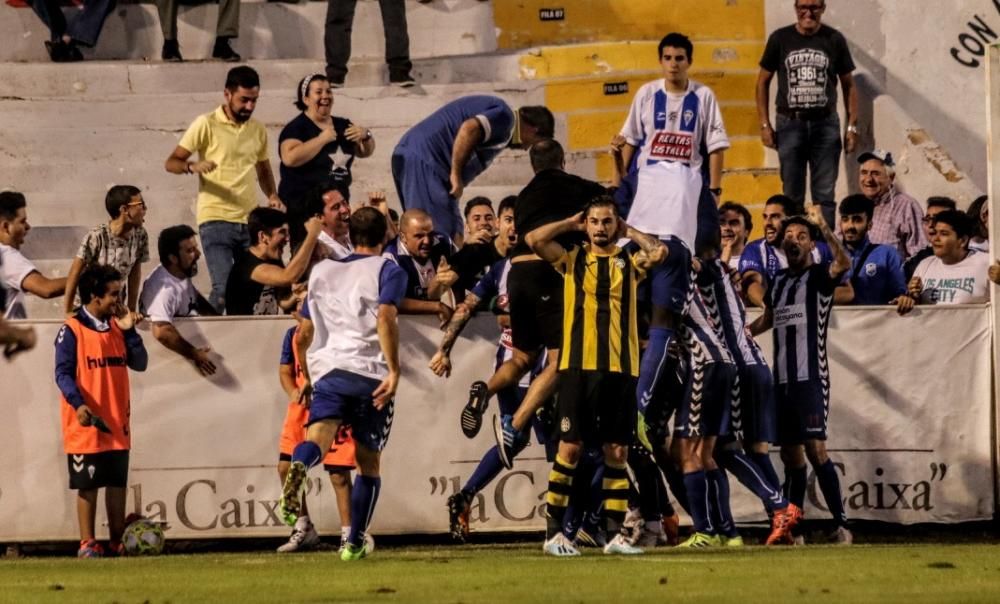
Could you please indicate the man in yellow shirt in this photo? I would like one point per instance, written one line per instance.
(232, 154)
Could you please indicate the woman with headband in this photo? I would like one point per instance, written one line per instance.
(315, 147)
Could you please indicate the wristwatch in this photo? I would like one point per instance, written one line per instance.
(717, 191)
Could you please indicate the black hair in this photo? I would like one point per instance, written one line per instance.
(118, 197)
(546, 154)
(857, 204)
(507, 203)
(957, 220)
(303, 89)
(169, 241)
(475, 202)
(95, 279)
(264, 220)
(368, 227)
(732, 206)
(243, 76)
(601, 201)
(10, 203)
(814, 233)
(314, 203)
(940, 201)
(540, 118)
(676, 40)
(787, 204)
(975, 208)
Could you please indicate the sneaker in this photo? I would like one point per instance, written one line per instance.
(350, 552)
(782, 523)
(116, 549)
(843, 536)
(560, 546)
(90, 548)
(652, 535)
(405, 81)
(171, 52)
(472, 414)
(63, 52)
(224, 52)
(508, 439)
(458, 516)
(671, 528)
(736, 541)
(588, 538)
(302, 539)
(290, 504)
(700, 540)
(620, 545)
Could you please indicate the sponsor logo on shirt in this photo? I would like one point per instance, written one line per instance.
(671, 146)
(793, 314)
(102, 362)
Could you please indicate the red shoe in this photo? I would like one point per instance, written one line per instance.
(116, 549)
(671, 528)
(782, 524)
(90, 548)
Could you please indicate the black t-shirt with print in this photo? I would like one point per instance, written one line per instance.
(807, 66)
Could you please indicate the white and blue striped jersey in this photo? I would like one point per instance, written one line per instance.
(701, 330)
(493, 286)
(733, 318)
(801, 305)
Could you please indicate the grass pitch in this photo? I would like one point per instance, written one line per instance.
(519, 573)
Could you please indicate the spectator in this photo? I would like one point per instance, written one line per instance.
(314, 147)
(329, 201)
(18, 274)
(979, 212)
(121, 243)
(876, 273)
(736, 224)
(337, 40)
(82, 30)
(954, 274)
(763, 258)
(897, 215)
(809, 58)
(227, 27)
(485, 243)
(423, 255)
(168, 293)
(259, 280)
(935, 205)
(436, 158)
(232, 150)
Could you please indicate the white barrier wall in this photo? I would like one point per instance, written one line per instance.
(910, 432)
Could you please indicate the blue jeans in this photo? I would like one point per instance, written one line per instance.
(85, 26)
(222, 242)
(815, 144)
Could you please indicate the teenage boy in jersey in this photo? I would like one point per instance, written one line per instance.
(598, 360)
(671, 120)
(94, 351)
(350, 319)
(798, 306)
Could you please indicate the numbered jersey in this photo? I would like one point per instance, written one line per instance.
(675, 127)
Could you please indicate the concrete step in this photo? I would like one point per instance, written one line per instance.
(528, 23)
(267, 31)
(576, 60)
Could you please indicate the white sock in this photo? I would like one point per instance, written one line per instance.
(345, 531)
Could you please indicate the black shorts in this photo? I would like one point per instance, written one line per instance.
(97, 470)
(330, 469)
(535, 290)
(596, 407)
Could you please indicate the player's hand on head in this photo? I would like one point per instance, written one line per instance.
(622, 230)
(84, 415)
(386, 390)
(440, 364)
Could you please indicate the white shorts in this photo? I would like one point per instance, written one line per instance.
(666, 201)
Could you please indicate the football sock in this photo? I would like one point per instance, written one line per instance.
(307, 452)
(647, 475)
(696, 487)
(752, 477)
(718, 490)
(363, 499)
(653, 365)
(615, 483)
(558, 496)
(763, 461)
(795, 485)
(587, 496)
(829, 483)
(489, 468)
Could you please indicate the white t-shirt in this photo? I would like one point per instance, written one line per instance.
(964, 282)
(14, 268)
(668, 126)
(164, 297)
(338, 251)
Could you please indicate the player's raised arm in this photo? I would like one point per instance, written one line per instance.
(542, 240)
(841, 260)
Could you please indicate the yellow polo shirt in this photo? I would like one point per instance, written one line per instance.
(229, 192)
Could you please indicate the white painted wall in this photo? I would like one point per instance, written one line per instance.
(910, 82)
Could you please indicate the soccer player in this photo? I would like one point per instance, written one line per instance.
(94, 351)
(798, 307)
(669, 122)
(338, 461)
(350, 319)
(598, 360)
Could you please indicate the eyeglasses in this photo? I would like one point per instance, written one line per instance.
(810, 8)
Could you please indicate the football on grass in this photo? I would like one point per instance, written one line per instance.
(143, 537)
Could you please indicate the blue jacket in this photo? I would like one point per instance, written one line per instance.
(876, 273)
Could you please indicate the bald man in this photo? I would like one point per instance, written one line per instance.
(423, 254)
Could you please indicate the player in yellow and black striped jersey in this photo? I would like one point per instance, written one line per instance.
(599, 358)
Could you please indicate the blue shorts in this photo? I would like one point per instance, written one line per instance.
(803, 408)
(348, 397)
(706, 406)
(671, 280)
(420, 187)
(757, 404)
